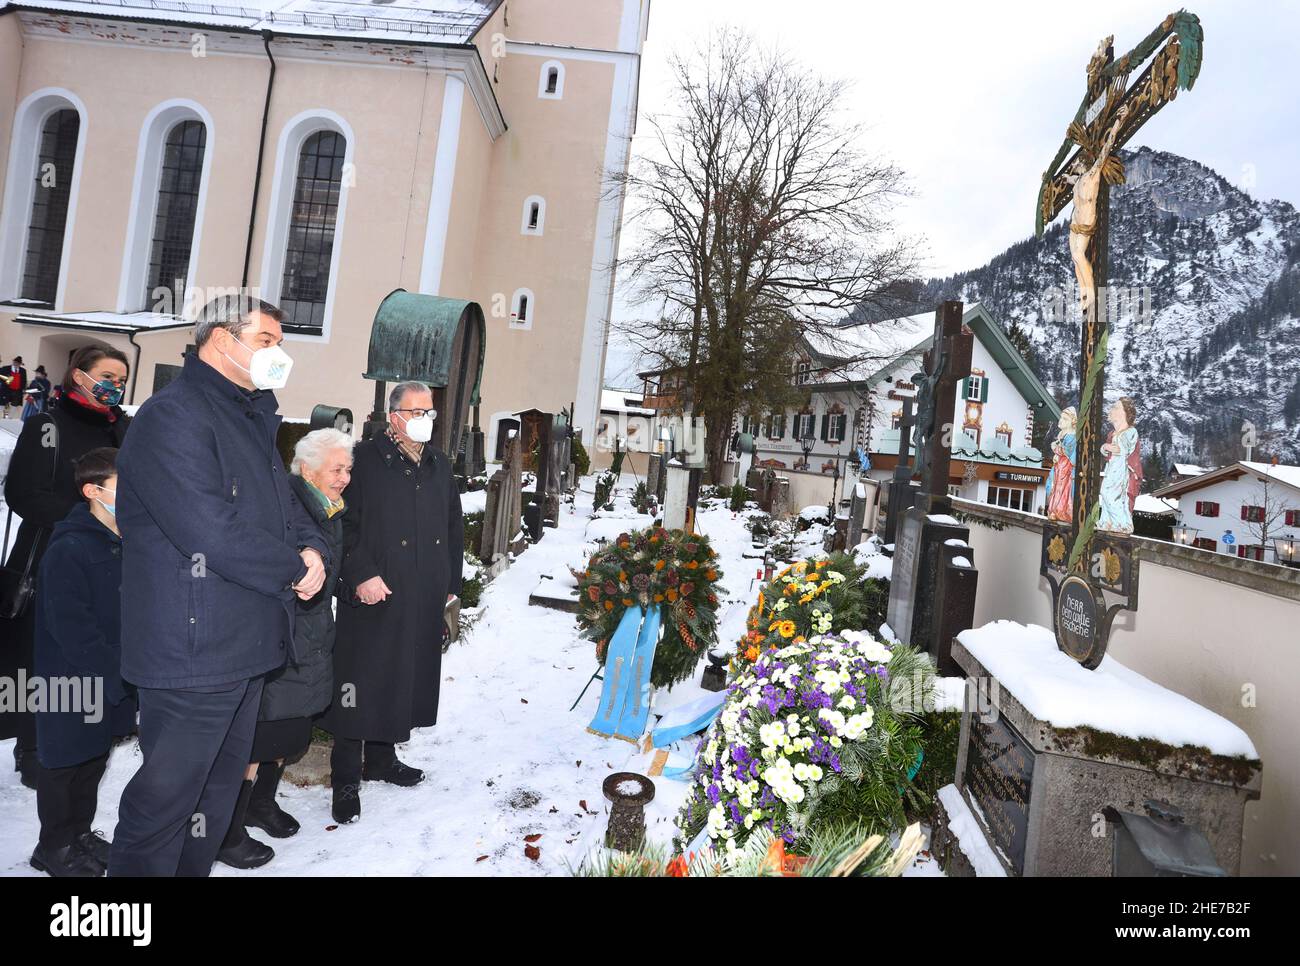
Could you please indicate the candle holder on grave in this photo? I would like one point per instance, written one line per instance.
(628, 794)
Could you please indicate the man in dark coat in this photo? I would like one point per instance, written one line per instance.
(215, 545)
(13, 382)
(403, 555)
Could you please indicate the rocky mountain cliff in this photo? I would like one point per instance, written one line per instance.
(1206, 311)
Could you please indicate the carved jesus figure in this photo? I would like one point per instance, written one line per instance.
(1083, 221)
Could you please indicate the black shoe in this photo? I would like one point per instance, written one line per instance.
(346, 806)
(69, 862)
(263, 810)
(96, 845)
(395, 773)
(27, 765)
(240, 850)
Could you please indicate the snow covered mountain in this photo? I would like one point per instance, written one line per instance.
(1207, 333)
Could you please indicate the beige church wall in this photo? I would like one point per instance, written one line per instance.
(11, 51)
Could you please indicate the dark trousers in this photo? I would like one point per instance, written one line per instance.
(346, 759)
(176, 809)
(66, 800)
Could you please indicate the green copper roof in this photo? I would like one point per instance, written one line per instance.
(414, 335)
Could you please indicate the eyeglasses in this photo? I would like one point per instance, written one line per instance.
(418, 413)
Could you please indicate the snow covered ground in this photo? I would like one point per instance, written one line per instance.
(508, 761)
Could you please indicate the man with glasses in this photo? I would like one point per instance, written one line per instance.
(402, 560)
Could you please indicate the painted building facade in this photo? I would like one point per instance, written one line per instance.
(323, 153)
(854, 407)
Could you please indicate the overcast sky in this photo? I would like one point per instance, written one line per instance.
(972, 99)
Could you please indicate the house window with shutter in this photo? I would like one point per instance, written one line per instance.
(836, 423)
(1252, 514)
(803, 373)
(1250, 551)
(976, 389)
(804, 425)
(776, 426)
(1293, 518)
(1206, 508)
(1206, 543)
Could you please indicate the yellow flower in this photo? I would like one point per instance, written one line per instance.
(786, 629)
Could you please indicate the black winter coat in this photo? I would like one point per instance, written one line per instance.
(211, 535)
(303, 687)
(78, 636)
(40, 505)
(403, 523)
(28, 489)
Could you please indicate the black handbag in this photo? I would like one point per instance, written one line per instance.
(18, 587)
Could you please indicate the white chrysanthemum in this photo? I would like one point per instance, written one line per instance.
(834, 576)
(717, 821)
(834, 720)
(848, 702)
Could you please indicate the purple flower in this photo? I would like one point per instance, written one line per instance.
(714, 793)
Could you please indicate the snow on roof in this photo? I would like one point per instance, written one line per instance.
(1290, 475)
(862, 349)
(1188, 469)
(1146, 503)
(623, 401)
(126, 321)
(448, 21)
(1055, 688)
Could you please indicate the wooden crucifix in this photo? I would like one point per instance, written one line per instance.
(1081, 564)
(946, 362)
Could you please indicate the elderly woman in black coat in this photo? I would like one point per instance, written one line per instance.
(320, 471)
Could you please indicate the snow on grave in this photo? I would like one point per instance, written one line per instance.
(1047, 746)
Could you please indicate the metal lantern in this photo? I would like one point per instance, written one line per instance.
(1185, 535)
(1287, 551)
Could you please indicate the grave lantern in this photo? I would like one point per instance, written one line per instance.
(434, 340)
(628, 794)
(1287, 551)
(1159, 844)
(331, 417)
(1185, 535)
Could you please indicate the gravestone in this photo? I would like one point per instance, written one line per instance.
(927, 524)
(780, 499)
(954, 607)
(901, 493)
(1037, 790)
(502, 513)
(676, 495)
(654, 474)
(857, 515)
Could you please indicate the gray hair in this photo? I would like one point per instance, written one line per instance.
(312, 449)
(231, 312)
(401, 389)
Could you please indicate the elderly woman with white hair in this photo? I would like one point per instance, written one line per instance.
(296, 693)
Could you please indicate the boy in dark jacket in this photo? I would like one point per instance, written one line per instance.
(78, 654)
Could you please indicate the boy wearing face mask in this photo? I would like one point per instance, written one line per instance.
(78, 639)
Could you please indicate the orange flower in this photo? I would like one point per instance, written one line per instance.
(609, 605)
(672, 594)
(692, 564)
(659, 598)
(822, 563)
(751, 654)
(627, 601)
(659, 564)
(677, 868)
(622, 576)
(711, 574)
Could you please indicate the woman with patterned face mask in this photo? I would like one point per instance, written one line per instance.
(40, 489)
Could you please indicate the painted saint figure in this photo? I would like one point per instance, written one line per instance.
(1060, 481)
(1122, 477)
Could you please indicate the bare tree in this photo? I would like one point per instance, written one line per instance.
(1272, 497)
(759, 222)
